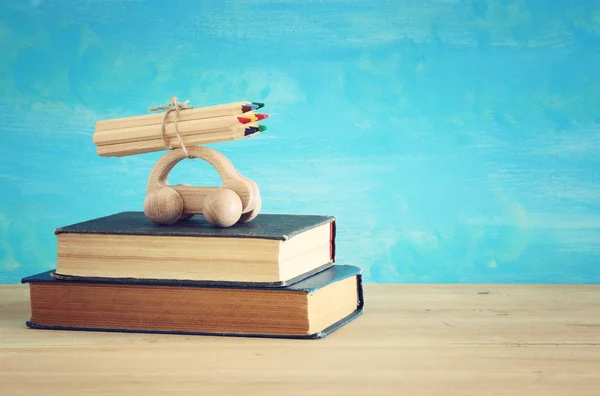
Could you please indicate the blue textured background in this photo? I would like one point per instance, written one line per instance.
(456, 141)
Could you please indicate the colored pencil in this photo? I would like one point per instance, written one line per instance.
(151, 145)
(253, 130)
(252, 106)
(154, 131)
(228, 109)
(247, 118)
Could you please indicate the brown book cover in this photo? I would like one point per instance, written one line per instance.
(311, 308)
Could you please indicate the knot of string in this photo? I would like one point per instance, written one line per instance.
(176, 107)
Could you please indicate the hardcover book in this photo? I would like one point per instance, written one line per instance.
(273, 250)
(311, 308)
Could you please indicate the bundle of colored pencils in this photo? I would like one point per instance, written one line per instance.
(211, 124)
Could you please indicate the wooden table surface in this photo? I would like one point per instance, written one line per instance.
(411, 340)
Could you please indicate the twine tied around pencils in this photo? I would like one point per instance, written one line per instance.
(176, 107)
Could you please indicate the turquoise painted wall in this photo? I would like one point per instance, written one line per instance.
(456, 141)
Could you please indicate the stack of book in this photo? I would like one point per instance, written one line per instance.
(275, 276)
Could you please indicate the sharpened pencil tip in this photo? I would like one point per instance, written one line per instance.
(249, 107)
(258, 104)
(252, 118)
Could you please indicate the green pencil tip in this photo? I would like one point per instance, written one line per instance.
(262, 128)
(260, 105)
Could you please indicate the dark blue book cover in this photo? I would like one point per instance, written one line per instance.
(264, 226)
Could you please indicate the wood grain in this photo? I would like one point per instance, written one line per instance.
(185, 128)
(411, 340)
(220, 110)
(158, 144)
(221, 208)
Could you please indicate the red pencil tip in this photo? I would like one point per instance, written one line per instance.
(252, 118)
